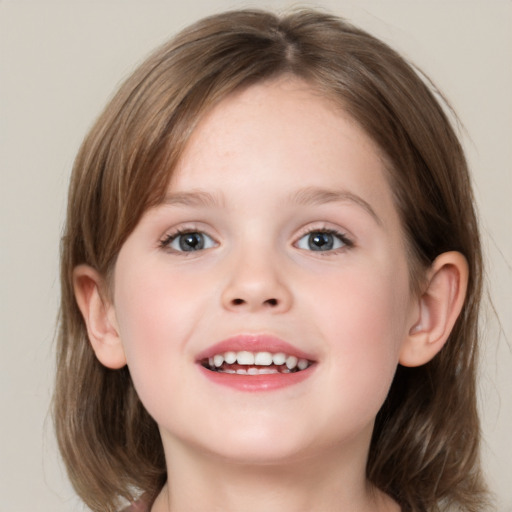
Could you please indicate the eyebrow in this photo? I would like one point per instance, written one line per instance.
(318, 196)
(196, 198)
(308, 196)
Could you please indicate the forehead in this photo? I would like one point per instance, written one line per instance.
(280, 129)
(292, 103)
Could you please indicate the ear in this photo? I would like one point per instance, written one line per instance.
(99, 317)
(439, 306)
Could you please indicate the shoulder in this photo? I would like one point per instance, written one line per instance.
(141, 505)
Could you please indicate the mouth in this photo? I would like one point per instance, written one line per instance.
(255, 363)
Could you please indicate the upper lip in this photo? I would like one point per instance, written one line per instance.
(254, 343)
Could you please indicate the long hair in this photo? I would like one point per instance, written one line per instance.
(425, 446)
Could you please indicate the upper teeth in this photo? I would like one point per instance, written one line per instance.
(245, 357)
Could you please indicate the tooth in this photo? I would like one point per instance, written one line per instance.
(302, 364)
(252, 371)
(245, 357)
(218, 360)
(210, 362)
(279, 358)
(228, 370)
(291, 362)
(263, 359)
(242, 371)
(268, 371)
(230, 357)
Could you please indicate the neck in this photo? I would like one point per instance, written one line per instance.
(199, 482)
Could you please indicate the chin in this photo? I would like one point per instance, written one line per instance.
(262, 456)
(261, 445)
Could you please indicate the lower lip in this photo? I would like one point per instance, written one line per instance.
(253, 383)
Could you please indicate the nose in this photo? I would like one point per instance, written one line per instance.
(256, 283)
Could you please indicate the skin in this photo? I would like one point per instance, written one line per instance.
(258, 156)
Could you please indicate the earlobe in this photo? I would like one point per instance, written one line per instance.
(99, 317)
(439, 306)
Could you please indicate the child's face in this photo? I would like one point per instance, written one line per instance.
(292, 236)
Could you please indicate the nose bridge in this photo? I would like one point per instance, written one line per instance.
(256, 280)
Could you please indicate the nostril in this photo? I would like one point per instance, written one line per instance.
(268, 302)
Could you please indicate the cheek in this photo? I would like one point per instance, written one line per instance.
(153, 303)
(155, 313)
(364, 317)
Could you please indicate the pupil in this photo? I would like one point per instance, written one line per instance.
(191, 242)
(321, 242)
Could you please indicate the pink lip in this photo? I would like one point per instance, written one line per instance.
(254, 383)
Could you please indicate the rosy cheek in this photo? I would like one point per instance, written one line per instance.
(363, 317)
(155, 307)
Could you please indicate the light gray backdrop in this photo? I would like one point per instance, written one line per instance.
(61, 61)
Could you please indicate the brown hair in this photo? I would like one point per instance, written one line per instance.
(425, 446)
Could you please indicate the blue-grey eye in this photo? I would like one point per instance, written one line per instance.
(322, 241)
(190, 241)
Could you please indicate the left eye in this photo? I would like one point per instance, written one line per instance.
(322, 241)
(189, 242)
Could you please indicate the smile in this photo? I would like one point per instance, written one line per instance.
(255, 363)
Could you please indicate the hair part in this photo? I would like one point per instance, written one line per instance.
(422, 457)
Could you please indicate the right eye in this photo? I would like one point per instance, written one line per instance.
(188, 241)
(323, 240)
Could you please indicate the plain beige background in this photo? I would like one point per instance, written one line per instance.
(61, 61)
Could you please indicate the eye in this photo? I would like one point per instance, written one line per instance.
(188, 241)
(323, 240)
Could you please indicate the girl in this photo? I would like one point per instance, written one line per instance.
(271, 275)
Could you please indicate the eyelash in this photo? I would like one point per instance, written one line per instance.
(171, 237)
(342, 237)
